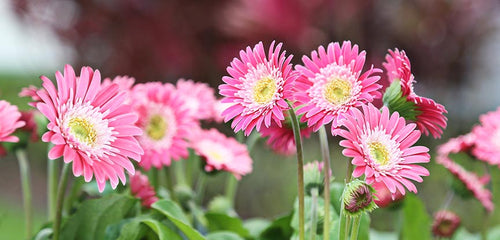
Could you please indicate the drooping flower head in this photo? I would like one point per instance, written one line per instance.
(331, 83)
(487, 141)
(199, 98)
(222, 153)
(461, 143)
(165, 122)
(445, 223)
(425, 112)
(9, 121)
(89, 126)
(257, 88)
(381, 146)
(142, 189)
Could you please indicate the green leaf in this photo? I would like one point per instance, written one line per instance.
(279, 229)
(494, 233)
(416, 222)
(393, 98)
(223, 222)
(364, 227)
(174, 213)
(308, 215)
(163, 232)
(462, 234)
(256, 226)
(377, 235)
(94, 216)
(336, 190)
(223, 236)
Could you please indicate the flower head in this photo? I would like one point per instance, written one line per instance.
(331, 83)
(314, 176)
(381, 147)
(455, 145)
(222, 153)
(487, 141)
(165, 122)
(428, 115)
(257, 88)
(199, 98)
(140, 188)
(9, 121)
(383, 197)
(358, 198)
(445, 223)
(30, 92)
(89, 126)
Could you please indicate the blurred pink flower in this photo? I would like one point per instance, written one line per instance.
(90, 126)
(9, 121)
(331, 84)
(383, 197)
(381, 147)
(445, 223)
(487, 141)
(222, 153)
(257, 88)
(199, 98)
(281, 139)
(30, 92)
(140, 188)
(459, 144)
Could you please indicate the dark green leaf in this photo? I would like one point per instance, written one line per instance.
(223, 222)
(256, 226)
(279, 229)
(416, 222)
(336, 190)
(163, 232)
(223, 236)
(174, 213)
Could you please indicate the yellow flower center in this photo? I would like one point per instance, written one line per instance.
(82, 130)
(338, 91)
(264, 90)
(157, 127)
(379, 153)
(216, 156)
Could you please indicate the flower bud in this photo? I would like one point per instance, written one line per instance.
(358, 198)
(445, 223)
(314, 177)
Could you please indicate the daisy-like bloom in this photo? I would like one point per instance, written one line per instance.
(381, 147)
(165, 122)
(9, 121)
(331, 84)
(140, 188)
(445, 223)
(429, 117)
(218, 108)
(199, 98)
(90, 126)
(473, 182)
(222, 153)
(257, 88)
(124, 83)
(281, 139)
(487, 144)
(383, 197)
(455, 145)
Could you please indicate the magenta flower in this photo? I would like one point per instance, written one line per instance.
(281, 139)
(381, 147)
(30, 92)
(257, 88)
(445, 223)
(331, 83)
(90, 126)
(165, 122)
(9, 121)
(222, 153)
(140, 188)
(199, 98)
(429, 117)
(487, 141)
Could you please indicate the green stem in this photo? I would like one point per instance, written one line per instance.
(231, 186)
(252, 140)
(52, 176)
(314, 213)
(61, 189)
(355, 228)
(190, 165)
(75, 191)
(343, 223)
(200, 187)
(170, 182)
(179, 173)
(154, 178)
(484, 228)
(24, 170)
(349, 172)
(325, 153)
(300, 169)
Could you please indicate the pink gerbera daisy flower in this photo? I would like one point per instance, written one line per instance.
(281, 139)
(140, 188)
(222, 153)
(459, 144)
(445, 223)
(9, 121)
(381, 147)
(429, 115)
(165, 122)
(199, 98)
(30, 92)
(487, 147)
(90, 126)
(331, 84)
(257, 88)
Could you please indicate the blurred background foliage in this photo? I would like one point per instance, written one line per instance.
(453, 47)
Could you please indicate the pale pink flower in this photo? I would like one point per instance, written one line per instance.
(9, 121)
(331, 83)
(487, 144)
(222, 153)
(142, 189)
(89, 126)
(257, 88)
(459, 144)
(199, 98)
(430, 118)
(30, 92)
(218, 108)
(165, 122)
(445, 223)
(381, 147)
(124, 83)
(281, 139)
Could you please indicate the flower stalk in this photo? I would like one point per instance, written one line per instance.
(52, 173)
(61, 189)
(355, 227)
(24, 170)
(325, 153)
(314, 213)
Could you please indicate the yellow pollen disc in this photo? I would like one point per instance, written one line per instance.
(216, 156)
(157, 127)
(379, 153)
(264, 90)
(338, 91)
(82, 130)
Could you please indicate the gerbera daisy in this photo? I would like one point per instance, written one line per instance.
(331, 84)
(487, 144)
(90, 126)
(257, 88)
(9, 121)
(445, 223)
(426, 113)
(281, 139)
(199, 98)
(383, 197)
(222, 153)
(140, 188)
(381, 147)
(165, 122)
(30, 92)
(459, 144)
